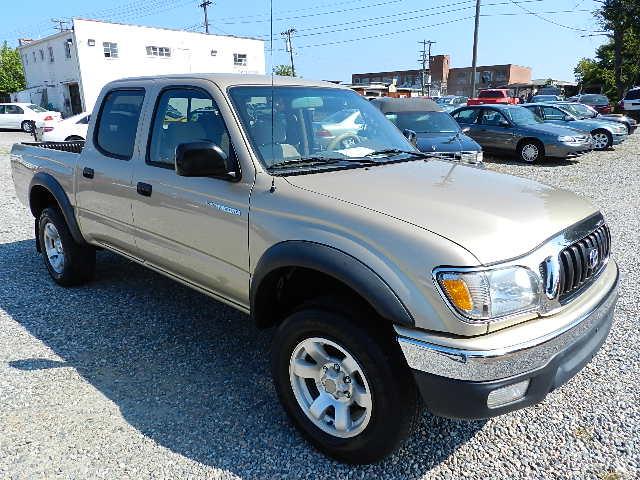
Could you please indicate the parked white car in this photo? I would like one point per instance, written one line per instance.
(72, 128)
(23, 116)
(631, 101)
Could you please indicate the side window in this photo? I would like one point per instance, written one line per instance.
(14, 109)
(466, 116)
(118, 122)
(184, 115)
(551, 113)
(491, 117)
(2, 109)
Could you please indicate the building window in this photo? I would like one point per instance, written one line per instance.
(26, 59)
(158, 51)
(34, 56)
(51, 59)
(487, 76)
(501, 76)
(240, 59)
(42, 55)
(91, 42)
(214, 53)
(110, 49)
(67, 47)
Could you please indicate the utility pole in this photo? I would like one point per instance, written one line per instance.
(475, 51)
(204, 6)
(60, 23)
(425, 60)
(287, 35)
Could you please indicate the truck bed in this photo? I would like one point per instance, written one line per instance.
(57, 159)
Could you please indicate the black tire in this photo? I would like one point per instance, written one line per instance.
(28, 126)
(526, 150)
(609, 138)
(395, 401)
(79, 261)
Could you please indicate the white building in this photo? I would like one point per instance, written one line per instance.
(68, 69)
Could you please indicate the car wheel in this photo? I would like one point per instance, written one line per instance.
(530, 151)
(346, 386)
(27, 126)
(74, 138)
(601, 139)
(68, 262)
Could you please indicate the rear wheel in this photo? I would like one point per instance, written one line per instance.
(345, 386)
(68, 262)
(601, 139)
(530, 151)
(27, 126)
(74, 138)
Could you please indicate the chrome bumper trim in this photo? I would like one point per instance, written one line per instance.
(470, 365)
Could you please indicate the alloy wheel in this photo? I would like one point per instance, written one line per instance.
(600, 140)
(530, 152)
(330, 387)
(53, 247)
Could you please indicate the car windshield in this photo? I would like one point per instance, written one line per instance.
(37, 108)
(545, 98)
(300, 127)
(580, 110)
(424, 122)
(445, 100)
(522, 116)
(595, 99)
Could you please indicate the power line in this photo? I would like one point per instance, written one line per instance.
(535, 14)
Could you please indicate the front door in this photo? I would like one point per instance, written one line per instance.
(495, 131)
(74, 97)
(104, 193)
(14, 116)
(193, 228)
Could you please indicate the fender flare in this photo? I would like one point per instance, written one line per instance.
(48, 182)
(337, 264)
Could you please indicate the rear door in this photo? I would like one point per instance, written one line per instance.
(14, 116)
(104, 191)
(194, 228)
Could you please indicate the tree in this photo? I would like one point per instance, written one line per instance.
(283, 70)
(11, 72)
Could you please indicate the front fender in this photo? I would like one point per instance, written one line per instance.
(337, 264)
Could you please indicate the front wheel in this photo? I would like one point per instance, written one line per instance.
(601, 139)
(344, 385)
(530, 151)
(68, 262)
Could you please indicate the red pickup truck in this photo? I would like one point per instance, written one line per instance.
(493, 95)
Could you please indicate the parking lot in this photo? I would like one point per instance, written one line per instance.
(136, 376)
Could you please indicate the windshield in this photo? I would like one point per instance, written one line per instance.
(37, 108)
(522, 116)
(545, 98)
(445, 100)
(580, 110)
(595, 99)
(424, 122)
(305, 124)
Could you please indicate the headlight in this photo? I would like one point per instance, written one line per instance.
(472, 157)
(567, 139)
(485, 295)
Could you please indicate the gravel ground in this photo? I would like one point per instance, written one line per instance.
(135, 376)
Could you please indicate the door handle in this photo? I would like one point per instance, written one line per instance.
(87, 172)
(144, 189)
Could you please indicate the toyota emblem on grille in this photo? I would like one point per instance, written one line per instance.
(594, 256)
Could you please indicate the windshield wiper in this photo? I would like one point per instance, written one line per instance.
(396, 151)
(304, 161)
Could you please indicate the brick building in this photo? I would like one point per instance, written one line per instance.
(447, 80)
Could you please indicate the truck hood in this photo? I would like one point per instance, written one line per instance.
(494, 216)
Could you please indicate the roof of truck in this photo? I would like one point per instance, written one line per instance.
(224, 80)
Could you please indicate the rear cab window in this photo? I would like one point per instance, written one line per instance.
(117, 124)
(633, 94)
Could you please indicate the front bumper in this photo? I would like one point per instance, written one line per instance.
(456, 383)
(618, 138)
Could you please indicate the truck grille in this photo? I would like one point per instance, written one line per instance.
(580, 261)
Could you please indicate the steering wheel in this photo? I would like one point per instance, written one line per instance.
(346, 140)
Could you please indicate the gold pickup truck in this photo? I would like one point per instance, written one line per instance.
(387, 274)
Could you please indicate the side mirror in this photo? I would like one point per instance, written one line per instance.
(203, 159)
(411, 136)
(504, 124)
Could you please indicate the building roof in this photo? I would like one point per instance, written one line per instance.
(225, 80)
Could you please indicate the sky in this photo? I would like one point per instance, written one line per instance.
(335, 38)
